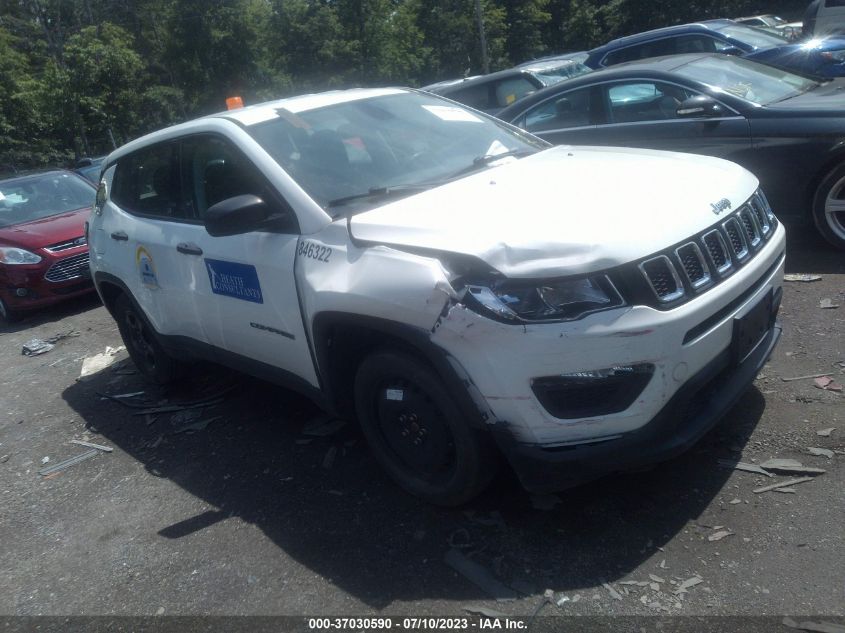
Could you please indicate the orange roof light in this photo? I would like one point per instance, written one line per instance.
(233, 103)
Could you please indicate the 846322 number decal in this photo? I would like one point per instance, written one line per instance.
(314, 251)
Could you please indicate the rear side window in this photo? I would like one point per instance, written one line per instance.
(147, 182)
(510, 90)
(657, 48)
(571, 109)
(477, 96)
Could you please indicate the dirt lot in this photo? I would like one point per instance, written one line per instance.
(251, 516)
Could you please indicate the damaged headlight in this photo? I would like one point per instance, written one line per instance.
(559, 300)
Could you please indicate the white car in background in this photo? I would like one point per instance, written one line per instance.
(463, 290)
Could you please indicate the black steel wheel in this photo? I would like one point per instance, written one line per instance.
(146, 352)
(418, 433)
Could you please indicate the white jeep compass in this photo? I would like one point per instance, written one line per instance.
(460, 288)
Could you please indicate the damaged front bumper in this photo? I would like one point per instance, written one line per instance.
(694, 409)
(663, 378)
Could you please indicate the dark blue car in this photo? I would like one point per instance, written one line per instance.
(821, 57)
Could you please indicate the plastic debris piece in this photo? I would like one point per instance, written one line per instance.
(718, 536)
(662, 564)
(688, 584)
(790, 467)
(636, 583)
(825, 432)
(785, 490)
(749, 468)
(36, 347)
(45, 460)
(801, 277)
(544, 502)
(783, 484)
(328, 460)
(94, 364)
(99, 447)
(794, 378)
(827, 304)
(814, 627)
(733, 502)
(613, 593)
(827, 383)
(654, 586)
(173, 408)
(68, 462)
(479, 576)
(562, 600)
(323, 426)
(820, 452)
(656, 578)
(201, 425)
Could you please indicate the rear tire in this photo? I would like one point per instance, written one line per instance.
(141, 342)
(829, 207)
(417, 432)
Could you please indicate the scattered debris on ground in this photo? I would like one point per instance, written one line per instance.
(826, 375)
(99, 447)
(718, 536)
(97, 363)
(613, 593)
(479, 576)
(820, 452)
(68, 462)
(328, 460)
(487, 613)
(827, 304)
(827, 383)
(196, 426)
(689, 583)
(783, 484)
(750, 468)
(37, 346)
(801, 277)
(790, 467)
(825, 432)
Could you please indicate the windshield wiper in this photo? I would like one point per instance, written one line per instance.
(378, 193)
(480, 161)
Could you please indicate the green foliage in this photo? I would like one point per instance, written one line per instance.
(75, 74)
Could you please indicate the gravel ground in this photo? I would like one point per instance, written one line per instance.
(249, 516)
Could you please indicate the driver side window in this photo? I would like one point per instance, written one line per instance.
(214, 171)
(635, 101)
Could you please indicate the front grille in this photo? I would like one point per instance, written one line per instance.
(68, 268)
(690, 268)
(63, 246)
(661, 276)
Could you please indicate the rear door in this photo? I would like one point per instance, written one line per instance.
(143, 223)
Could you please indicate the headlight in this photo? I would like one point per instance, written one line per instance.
(836, 57)
(10, 255)
(559, 300)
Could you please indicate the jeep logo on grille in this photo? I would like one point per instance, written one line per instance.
(723, 205)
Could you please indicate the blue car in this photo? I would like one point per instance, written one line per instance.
(820, 57)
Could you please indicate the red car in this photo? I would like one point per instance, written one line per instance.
(43, 249)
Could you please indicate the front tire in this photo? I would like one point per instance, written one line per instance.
(829, 207)
(144, 349)
(417, 432)
(7, 315)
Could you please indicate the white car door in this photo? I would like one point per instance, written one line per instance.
(245, 282)
(143, 222)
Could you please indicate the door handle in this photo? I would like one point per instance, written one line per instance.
(188, 249)
(120, 236)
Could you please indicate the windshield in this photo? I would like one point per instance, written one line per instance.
(553, 74)
(745, 79)
(35, 197)
(749, 35)
(348, 149)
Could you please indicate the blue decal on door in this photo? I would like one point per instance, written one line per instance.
(234, 280)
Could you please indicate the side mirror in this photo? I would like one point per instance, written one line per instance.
(237, 215)
(732, 50)
(699, 106)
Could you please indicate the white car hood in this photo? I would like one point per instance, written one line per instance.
(563, 211)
